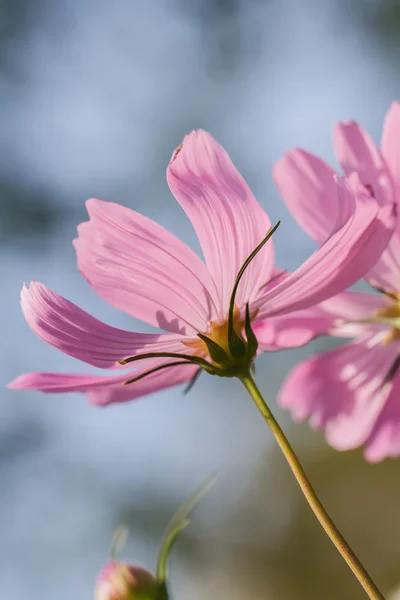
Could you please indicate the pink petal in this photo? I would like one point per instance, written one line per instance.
(357, 152)
(356, 243)
(385, 274)
(228, 220)
(293, 330)
(103, 390)
(59, 383)
(352, 306)
(70, 329)
(276, 277)
(340, 391)
(337, 316)
(307, 185)
(142, 269)
(384, 439)
(391, 143)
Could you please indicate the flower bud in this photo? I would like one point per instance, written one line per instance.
(119, 581)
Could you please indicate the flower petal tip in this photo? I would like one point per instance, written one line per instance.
(195, 136)
(23, 382)
(13, 385)
(349, 124)
(95, 207)
(394, 106)
(175, 153)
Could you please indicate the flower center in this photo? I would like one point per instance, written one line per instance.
(218, 333)
(390, 315)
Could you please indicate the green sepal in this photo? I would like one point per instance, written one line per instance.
(252, 343)
(155, 369)
(235, 346)
(178, 523)
(188, 357)
(192, 382)
(215, 351)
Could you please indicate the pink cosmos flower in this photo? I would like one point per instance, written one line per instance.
(352, 392)
(142, 269)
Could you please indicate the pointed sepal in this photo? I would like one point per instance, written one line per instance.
(217, 354)
(192, 382)
(252, 343)
(237, 346)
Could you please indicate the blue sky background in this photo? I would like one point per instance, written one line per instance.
(94, 97)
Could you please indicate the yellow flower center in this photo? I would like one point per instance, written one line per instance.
(218, 333)
(391, 314)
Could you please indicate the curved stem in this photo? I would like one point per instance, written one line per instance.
(319, 511)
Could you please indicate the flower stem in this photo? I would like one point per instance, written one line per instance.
(319, 511)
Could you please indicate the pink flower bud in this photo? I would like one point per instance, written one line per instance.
(119, 581)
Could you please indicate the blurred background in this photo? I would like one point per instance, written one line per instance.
(94, 97)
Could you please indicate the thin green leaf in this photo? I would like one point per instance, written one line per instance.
(178, 523)
(119, 541)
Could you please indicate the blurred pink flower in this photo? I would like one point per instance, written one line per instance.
(142, 269)
(352, 392)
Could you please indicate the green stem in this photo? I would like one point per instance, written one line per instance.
(329, 526)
